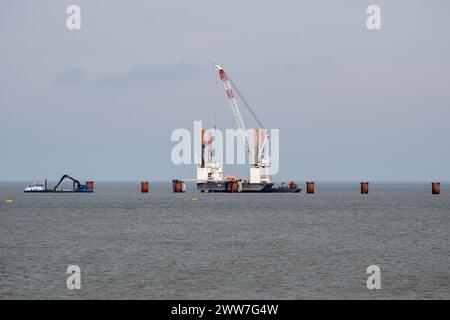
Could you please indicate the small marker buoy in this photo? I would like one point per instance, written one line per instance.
(9, 200)
(194, 199)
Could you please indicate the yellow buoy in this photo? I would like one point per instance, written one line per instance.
(194, 199)
(9, 201)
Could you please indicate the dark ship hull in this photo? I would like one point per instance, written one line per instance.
(245, 187)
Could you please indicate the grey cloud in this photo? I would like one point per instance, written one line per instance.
(149, 74)
(72, 76)
(144, 74)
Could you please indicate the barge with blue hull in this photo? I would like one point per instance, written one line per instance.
(77, 187)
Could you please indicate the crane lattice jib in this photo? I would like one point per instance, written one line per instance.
(233, 103)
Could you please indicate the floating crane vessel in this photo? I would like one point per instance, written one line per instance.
(210, 177)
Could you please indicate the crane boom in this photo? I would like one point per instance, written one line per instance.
(259, 170)
(76, 182)
(232, 100)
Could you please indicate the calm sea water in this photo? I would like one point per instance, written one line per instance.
(226, 246)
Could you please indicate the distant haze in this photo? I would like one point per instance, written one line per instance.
(100, 103)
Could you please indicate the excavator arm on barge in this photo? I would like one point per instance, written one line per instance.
(77, 183)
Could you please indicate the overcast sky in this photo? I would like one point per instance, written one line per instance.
(100, 103)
